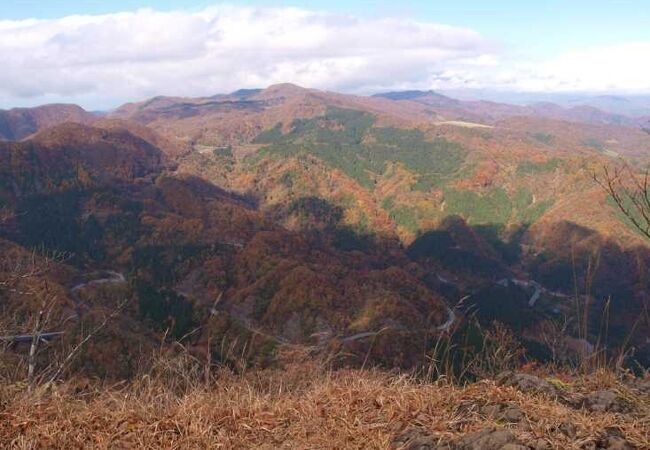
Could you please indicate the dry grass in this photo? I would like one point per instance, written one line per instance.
(301, 406)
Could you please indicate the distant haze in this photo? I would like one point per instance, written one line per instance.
(630, 105)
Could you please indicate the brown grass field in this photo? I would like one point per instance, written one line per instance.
(301, 406)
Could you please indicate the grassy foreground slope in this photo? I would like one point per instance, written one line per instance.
(304, 406)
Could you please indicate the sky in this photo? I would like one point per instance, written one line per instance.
(102, 53)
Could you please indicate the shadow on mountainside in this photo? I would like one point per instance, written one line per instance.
(581, 281)
(204, 264)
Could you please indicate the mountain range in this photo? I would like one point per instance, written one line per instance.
(288, 215)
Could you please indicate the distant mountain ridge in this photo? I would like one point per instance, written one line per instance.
(410, 95)
(491, 110)
(632, 105)
(19, 123)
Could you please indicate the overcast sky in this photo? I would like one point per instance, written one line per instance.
(100, 54)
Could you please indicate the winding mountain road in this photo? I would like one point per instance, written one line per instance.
(444, 327)
(109, 277)
(539, 289)
(451, 319)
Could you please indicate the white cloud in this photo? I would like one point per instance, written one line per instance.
(112, 58)
(100, 61)
(623, 67)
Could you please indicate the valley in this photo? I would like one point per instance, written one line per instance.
(367, 221)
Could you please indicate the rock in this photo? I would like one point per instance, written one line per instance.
(513, 414)
(589, 445)
(506, 412)
(487, 439)
(609, 439)
(417, 439)
(491, 410)
(528, 383)
(423, 443)
(616, 443)
(490, 439)
(568, 429)
(606, 401)
(613, 439)
(643, 386)
(540, 444)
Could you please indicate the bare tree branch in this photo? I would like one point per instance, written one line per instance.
(630, 191)
(83, 342)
